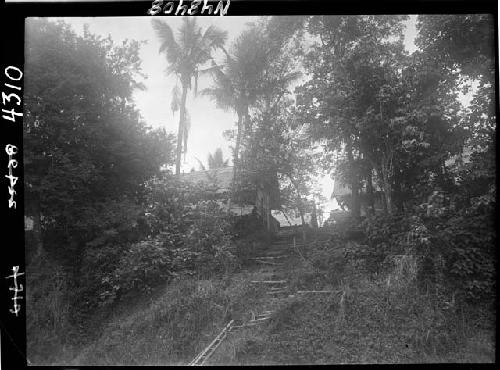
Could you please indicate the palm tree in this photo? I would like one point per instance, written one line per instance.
(245, 78)
(237, 82)
(216, 160)
(192, 49)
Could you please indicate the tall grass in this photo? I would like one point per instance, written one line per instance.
(171, 330)
(373, 318)
(48, 329)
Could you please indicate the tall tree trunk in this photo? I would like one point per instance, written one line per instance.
(369, 189)
(314, 217)
(398, 193)
(238, 142)
(268, 213)
(300, 207)
(355, 203)
(386, 181)
(386, 185)
(301, 211)
(236, 161)
(180, 131)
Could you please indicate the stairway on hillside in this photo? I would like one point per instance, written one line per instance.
(269, 273)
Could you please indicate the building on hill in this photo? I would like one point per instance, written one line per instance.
(262, 198)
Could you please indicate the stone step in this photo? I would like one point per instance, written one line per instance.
(280, 259)
(259, 320)
(287, 246)
(278, 288)
(272, 260)
(269, 263)
(268, 282)
(272, 257)
(288, 241)
(275, 251)
(277, 255)
(317, 291)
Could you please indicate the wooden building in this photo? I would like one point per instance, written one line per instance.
(263, 197)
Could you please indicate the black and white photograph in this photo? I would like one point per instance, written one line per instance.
(255, 189)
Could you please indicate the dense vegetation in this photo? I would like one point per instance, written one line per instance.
(112, 225)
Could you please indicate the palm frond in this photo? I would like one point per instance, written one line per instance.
(218, 72)
(223, 99)
(214, 38)
(213, 69)
(168, 44)
(189, 33)
(202, 166)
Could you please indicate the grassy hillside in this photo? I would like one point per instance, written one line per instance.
(368, 318)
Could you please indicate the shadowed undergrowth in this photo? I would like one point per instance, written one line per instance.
(369, 318)
(173, 329)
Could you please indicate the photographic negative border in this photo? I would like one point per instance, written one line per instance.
(14, 13)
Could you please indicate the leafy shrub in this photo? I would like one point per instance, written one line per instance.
(210, 236)
(454, 250)
(98, 262)
(134, 249)
(204, 247)
(383, 235)
(143, 266)
(327, 257)
(347, 227)
(201, 230)
(467, 242)
(247, 225)
(47, 315)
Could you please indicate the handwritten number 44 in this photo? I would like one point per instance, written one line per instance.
(13, 76)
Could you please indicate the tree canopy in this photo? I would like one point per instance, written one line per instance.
(85, 143)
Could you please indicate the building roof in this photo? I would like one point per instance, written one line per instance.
(290, 219)
(220, 178)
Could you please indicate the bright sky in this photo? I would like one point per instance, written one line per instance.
(207, 122)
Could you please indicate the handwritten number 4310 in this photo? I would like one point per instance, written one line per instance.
(14, 74)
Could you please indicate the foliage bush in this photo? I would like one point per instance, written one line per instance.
(143, 266)
(454, 250)
(114, 228)
(136, 248)
(375, 319)
(210, 236)
(468, 244)
(382, 235)
(185, 234)
(47, 314)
